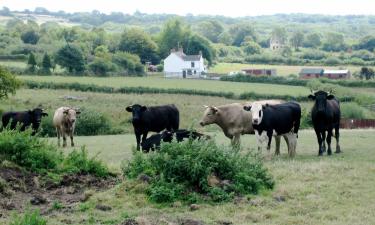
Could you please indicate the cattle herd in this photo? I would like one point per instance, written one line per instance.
(265, 119)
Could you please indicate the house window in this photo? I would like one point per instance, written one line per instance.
(192, 64)
(195, 72)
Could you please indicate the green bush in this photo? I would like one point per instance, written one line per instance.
(40, 156)
(180, 171)
(352, 111)
(28, 218)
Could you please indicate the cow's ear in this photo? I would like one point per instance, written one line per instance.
(311, 97)
(330, 97)
(247, 107)
(144, 108)
(30, 111)
(214, 109)
(129, 108)
(78, 112)
(44, 114)
(265, 106)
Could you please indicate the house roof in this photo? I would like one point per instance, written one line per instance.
(191, 57)
(311, 71)
(336, 71)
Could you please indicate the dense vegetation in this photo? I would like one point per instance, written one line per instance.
(120, 44)
(194, 171)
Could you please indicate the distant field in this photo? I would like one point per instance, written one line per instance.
(158, 82)
(18, 64)
(281, 70)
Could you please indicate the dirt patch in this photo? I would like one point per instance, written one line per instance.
(20, 188)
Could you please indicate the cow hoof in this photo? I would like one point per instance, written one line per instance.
(337, 152)
(72, 145)
(320, 154)
(329, 152)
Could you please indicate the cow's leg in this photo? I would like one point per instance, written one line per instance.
(144, 136)
(329, 137)
(292, 143)
(324, 141)
(236, 141)
(319, 137)
(138, 138)
(277, 146)
(337, 136)
(64, 139)
(259, 142)
(58, 136)
(71, 139)
(269, 135)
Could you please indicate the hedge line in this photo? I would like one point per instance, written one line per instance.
(295, 82)
(149, 90)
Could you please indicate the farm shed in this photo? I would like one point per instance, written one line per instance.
(260, 72)
(307, 73)
(179, 65)
(336, 74)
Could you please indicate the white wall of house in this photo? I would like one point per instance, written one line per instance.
(175, 65)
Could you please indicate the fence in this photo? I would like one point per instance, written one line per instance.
(357, 123)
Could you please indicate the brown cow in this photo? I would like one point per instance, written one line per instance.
(234, 121)
(64, 122)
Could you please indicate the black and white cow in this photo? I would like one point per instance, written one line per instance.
(153, 142)
(153, 119)
(25, 119)
(276, 120)
(325, 116)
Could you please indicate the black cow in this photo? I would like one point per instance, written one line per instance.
(280, 119)
(25, 119)
(153, 118)
(325, 116)
(153, 142)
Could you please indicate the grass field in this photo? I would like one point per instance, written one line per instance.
(158, 82)
(281, 70)
(16, 64)
(315, 190)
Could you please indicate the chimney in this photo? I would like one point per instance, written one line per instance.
(200, 53)
(180, 49)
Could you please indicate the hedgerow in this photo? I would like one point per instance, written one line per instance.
(198, 170)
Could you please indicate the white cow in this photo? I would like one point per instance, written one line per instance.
(64, 121)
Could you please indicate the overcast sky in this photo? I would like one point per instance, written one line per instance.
(231, 8)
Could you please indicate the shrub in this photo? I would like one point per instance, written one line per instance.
(352, 111)
(332, 61)
(180, 171)
(28, 218)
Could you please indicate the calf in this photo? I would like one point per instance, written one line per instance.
(325, 116)
(153, 119)
(281, 119)
(26, 119)
(64, 121)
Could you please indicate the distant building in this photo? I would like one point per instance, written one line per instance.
(307, 73)
(277, 43)
(179, 65)
(337, 74)
(260, 72)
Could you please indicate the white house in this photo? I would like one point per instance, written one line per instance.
(179, 65)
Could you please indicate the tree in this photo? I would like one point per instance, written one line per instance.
(138, 42)
(367, 73)
(101, 66)
(196, 43)
(280, 34)
(174, 32)
(251, 48)
(71, 58)
(210, 29)
(225, 38)
(367, 42)
(334, 42)
(31, 62)
(312, 41)
(8, 83)
(30, 37)
(240, 32)
(297, 39)
(46, 64)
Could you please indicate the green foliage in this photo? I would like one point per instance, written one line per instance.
(297, 39)
(172, 35)
(210, 29)
(180, 170)
(129, 63)
(352, 111)
(70, 57)
(195, 44)
(8, 83)
(367, 73)
(312, 40)
(332, 61)
(28, 218)
(251, 48)
(78, 162)
(101, 66)
(31, 62)
(334, 42)
(46, 64)
(30, 37)
(241, 32)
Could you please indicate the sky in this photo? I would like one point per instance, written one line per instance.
(232, 8)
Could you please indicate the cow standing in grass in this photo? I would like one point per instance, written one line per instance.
(64, 121)
(153, 119)
(234, 121)
(25, 119)
(275, 120)
(325, 116)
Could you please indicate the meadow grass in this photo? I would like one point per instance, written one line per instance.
(314, 190)
(191, 84)
(16, 64)
(281, 70)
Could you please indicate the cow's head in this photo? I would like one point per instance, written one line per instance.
(320, 98)
(256, 110)
(71, 115)
(209, 116)
(137, 111)
(167, 136)
(36, 115)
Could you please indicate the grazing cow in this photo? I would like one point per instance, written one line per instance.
(153, 142)
(276, 120)
(325, 116)
(153, 118)
(25, 119)
(233, 120)
(64, 121)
